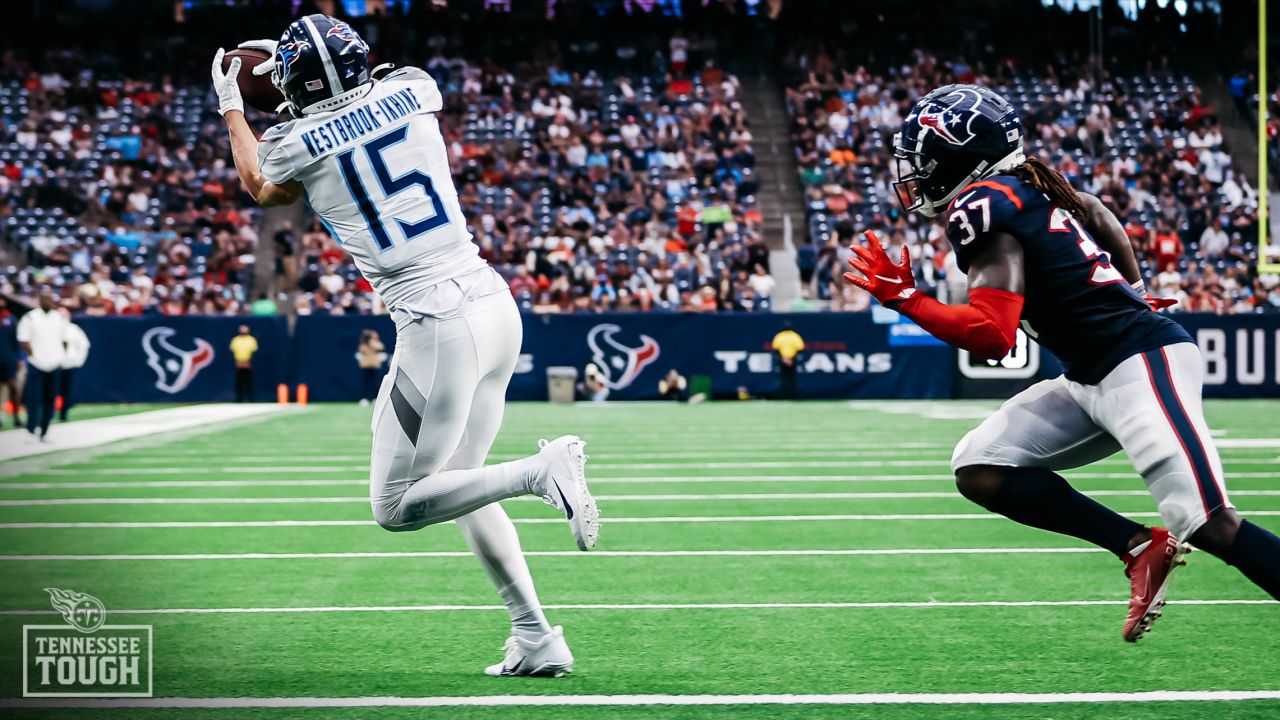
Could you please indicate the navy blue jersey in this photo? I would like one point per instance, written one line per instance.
(1078, 306)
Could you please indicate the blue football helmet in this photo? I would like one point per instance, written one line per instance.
(954, 136)
(320, 64)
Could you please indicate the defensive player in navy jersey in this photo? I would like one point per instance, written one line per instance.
(1037, 251)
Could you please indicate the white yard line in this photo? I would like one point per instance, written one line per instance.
(942, 452)
(676, 497)
(635, 451)
(179, 484)
(1247, 442)
(651, 700)
(924, 604)
(90, 433)
(268, 469)
(559, 553)
(300, 500)
(546, 521)
(633, 479)
(596, 467)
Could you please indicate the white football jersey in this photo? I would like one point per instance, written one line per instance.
(377, 173)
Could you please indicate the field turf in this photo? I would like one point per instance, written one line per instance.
(749, 549)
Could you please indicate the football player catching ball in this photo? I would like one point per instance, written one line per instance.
(369, 158)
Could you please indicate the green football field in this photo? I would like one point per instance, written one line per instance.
(817, 551)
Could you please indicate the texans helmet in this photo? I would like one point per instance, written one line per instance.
(321, 64)
(954, 136)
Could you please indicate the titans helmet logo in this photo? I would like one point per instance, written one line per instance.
(619, 363)
(343, 32)
(951, 116)
(287, 52)
(175, 368)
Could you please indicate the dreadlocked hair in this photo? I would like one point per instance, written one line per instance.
(1040, 176)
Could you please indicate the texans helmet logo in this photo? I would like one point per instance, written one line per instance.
(287, 52)
(175, 368)
(619, 363)
(951, 116)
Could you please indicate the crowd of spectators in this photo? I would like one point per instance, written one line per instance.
(627, 193)
(1243, 87)
(592, 190)
(587, 193)
(1146, 144)
(118, 193)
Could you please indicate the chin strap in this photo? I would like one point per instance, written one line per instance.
(982, 172)
(337, 101)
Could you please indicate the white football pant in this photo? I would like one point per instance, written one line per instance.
(437, 414)
(1149, 406)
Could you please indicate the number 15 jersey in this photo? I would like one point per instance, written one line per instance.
(377, 173)
(1078, 306)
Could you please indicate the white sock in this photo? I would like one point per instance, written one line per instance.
(493, 539)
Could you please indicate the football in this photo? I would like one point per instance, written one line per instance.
(257, 90)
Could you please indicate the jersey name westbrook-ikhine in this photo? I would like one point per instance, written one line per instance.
(359, 122)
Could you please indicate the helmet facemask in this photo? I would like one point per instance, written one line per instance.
(916, 189)
(913, 171)
(277, 79)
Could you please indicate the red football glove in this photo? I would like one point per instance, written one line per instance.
(890, 283)
(1158, 304)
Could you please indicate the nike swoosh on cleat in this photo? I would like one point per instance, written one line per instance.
(568, 509)
(512, 670)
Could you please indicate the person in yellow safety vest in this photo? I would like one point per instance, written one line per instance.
(788, 345)
(243, 346)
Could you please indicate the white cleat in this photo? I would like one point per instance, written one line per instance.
(565, 487)
(547, 657)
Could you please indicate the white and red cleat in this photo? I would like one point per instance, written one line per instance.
(1148, 573)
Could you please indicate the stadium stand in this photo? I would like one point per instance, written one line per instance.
(587, 194)
(1145, 143)
(599, 178)
(118, 193)
(626, 194)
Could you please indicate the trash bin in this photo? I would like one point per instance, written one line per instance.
(561, 380)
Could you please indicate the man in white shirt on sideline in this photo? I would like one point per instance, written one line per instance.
(77, 352)
(42, 335)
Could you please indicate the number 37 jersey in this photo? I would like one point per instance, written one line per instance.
(1078, 306)
(377, 173)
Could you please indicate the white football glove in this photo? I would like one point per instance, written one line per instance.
(226, 85)
(266, 46)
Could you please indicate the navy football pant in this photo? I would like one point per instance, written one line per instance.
(39, 394)
(65, 377)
